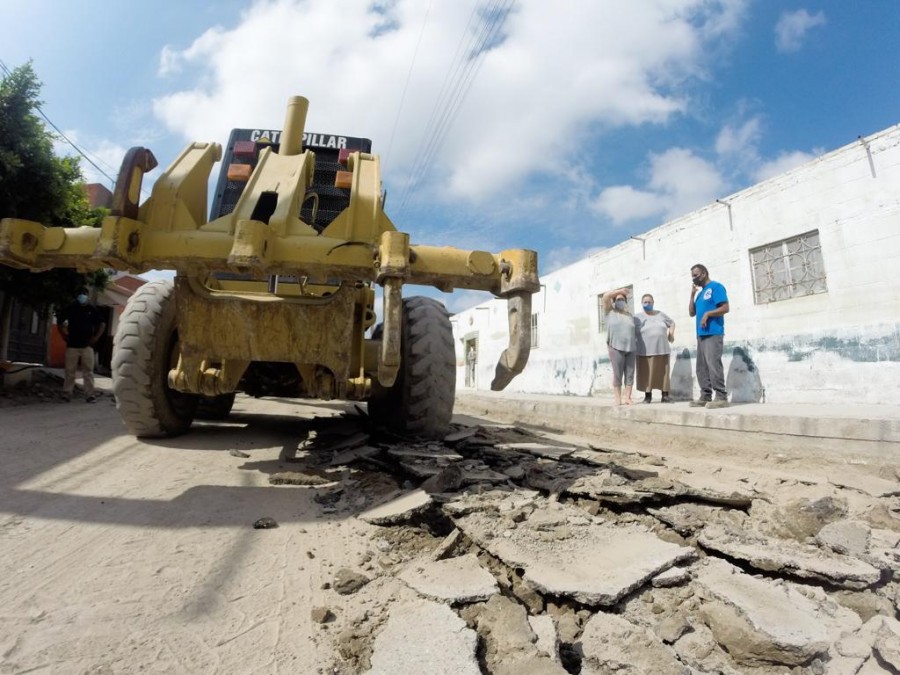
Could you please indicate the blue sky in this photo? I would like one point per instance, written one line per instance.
(562, 126)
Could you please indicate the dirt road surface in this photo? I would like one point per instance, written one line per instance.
(252, 546)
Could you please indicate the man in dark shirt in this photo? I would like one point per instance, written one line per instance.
(81, 325)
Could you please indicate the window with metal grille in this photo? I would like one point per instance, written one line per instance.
(787, 269)
(535, 335)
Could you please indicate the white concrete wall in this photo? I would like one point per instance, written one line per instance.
(843, 345)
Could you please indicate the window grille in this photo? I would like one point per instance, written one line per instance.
(790, 268)
(535, 335)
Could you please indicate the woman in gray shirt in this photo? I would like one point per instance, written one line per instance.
(620, 341)
(655, 330)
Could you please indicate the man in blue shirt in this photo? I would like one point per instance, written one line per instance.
(709, 304)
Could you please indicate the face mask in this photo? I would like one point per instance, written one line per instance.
(648, 306)
(696, 281)
(620, 304)
(82, 299)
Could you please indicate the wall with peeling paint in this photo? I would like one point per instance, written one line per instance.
(842, 345)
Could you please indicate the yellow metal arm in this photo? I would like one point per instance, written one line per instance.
(265, 236)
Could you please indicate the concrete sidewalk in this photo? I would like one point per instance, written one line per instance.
(856, 422)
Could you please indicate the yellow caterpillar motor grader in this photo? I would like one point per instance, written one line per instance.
(274, 294)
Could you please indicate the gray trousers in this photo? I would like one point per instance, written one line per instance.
(622, 367)
(710, 373)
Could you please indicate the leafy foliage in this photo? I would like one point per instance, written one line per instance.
(37, 185)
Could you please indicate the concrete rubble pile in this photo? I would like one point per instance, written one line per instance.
(529, 555)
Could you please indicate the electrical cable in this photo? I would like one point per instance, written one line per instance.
(412, 64)
(63, 136)
(447, 106)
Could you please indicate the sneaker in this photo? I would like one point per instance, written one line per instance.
(665, 398)
(90, 399)
(718, 403)
(700, 403)
(648, 397)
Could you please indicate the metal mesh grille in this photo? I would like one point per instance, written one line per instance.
(789, 268)
(331, 200)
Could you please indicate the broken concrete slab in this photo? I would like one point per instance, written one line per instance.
(399, 509)
(474, 474)
(544, 627)
(422, 468)
(698, 649)
(612, 644)
(870, 485)
(605, 485)
(674, 576)
(497, 500)
(789, 557)
(688, 518)
(851, 651)
(592, 457)
(799, 518)
(539, 449)
(456, 581)
(353, 455)
(352, 441)
(461, 435)
(845, 536)
(596, 564)
(711, 488)
(425, 637)
(887, 642)
(509, 642)
(672, 628)
(431, 451)
(447, 545)
(761, 622)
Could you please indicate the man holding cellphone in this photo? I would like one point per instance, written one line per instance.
(709, 304)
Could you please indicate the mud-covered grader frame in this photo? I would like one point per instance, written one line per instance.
(264, 302)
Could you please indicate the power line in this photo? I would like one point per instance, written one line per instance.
(462, 73)
(412, 63)
(63, 136)
(446, 87)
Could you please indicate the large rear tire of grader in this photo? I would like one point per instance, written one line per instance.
(144, 350)
(420, 403)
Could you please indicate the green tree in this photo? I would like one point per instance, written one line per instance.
(37, 185)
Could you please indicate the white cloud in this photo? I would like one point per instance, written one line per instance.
(679, 182)
(557, 258)
(792, 27)
(558, 70)
(740, 140)
(687, 180)
(623, 203)
(169, 61)
(783, 162)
